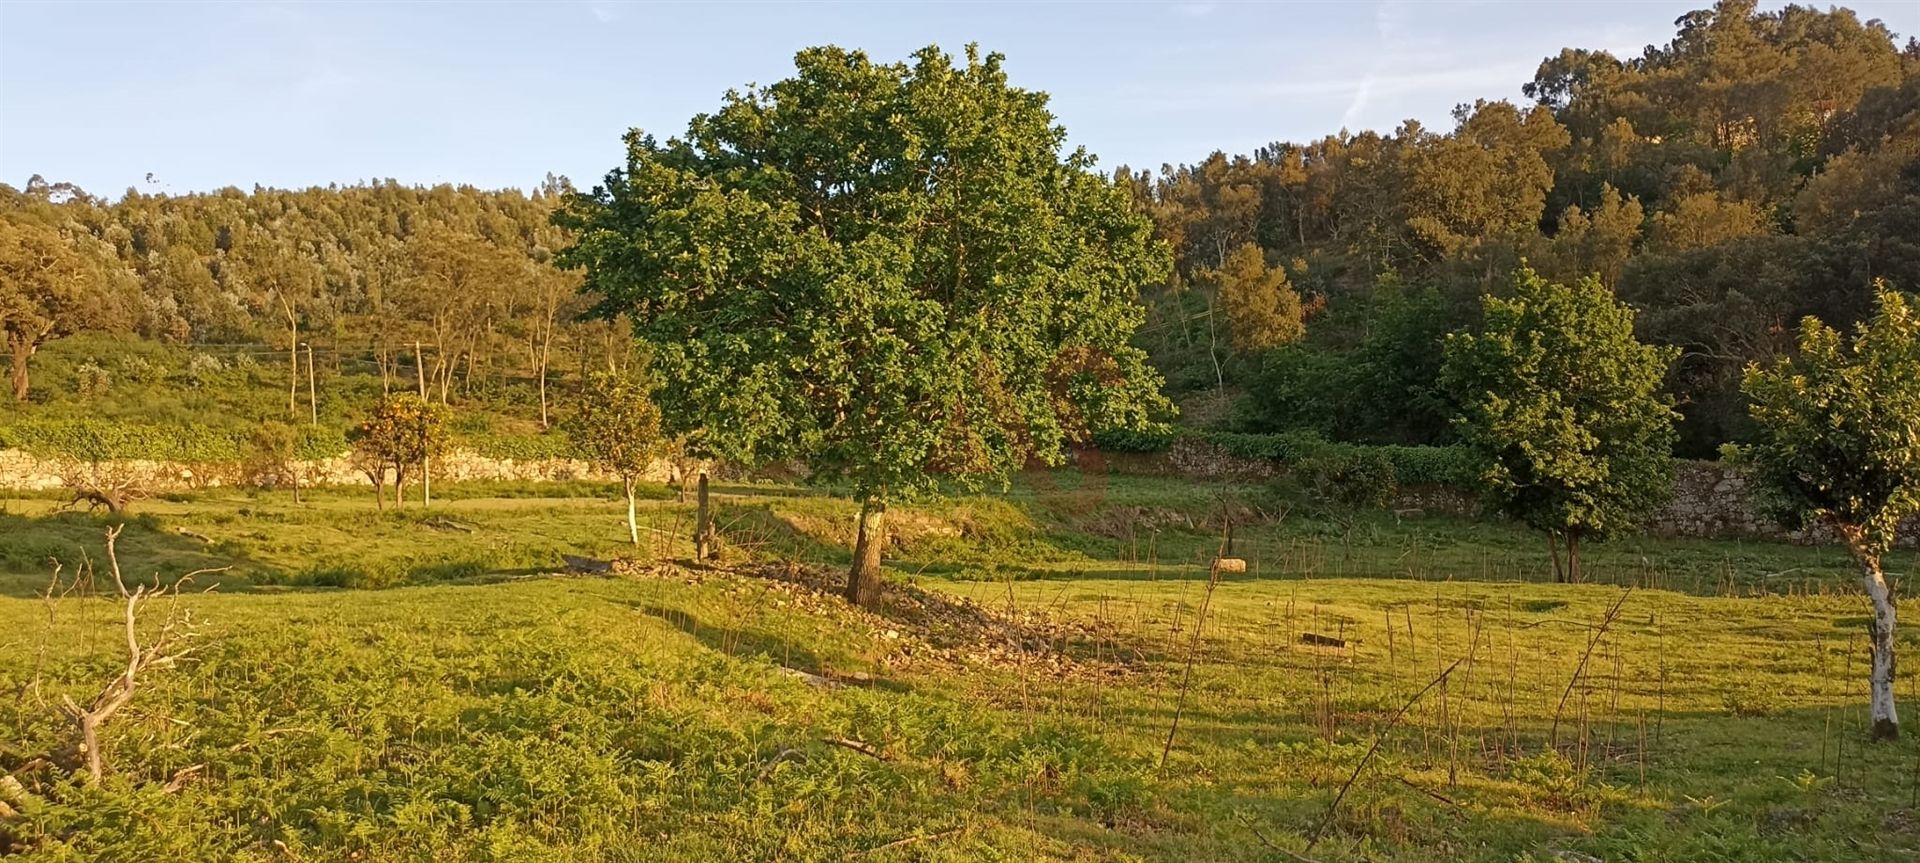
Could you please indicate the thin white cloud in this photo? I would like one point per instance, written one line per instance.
(1194, 10)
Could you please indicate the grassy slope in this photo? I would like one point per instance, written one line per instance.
(481, 716)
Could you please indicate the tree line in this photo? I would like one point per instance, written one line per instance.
(1756, 168)
(443, 289)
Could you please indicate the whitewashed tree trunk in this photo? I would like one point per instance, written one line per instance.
(633, 524)
(1886, 722)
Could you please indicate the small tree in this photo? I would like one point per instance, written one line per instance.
(272, 453)
(1347, 481)
(1563, 409)
(402, 431)
(1839, 446)
(617, 427)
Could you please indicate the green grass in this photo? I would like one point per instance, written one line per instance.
(481, 710)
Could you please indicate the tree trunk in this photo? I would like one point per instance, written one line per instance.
(22, 350)
(863, 579)
(313, 396)
(1886, 722)
(1573, 557)
(420, 369)
(546, 344)
(702, 522)
(633, 524)
(293, 363)
(1553, 548)
(426, 481)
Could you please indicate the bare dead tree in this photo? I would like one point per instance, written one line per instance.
(101, 483)
(167, 646)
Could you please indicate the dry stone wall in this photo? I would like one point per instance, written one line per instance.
(24, 471)
(1710, 499)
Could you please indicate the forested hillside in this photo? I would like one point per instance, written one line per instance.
(1757, 168)
(444, 289)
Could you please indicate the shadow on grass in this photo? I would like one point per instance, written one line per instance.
(749, 642)
(758, 530)
(29, 546)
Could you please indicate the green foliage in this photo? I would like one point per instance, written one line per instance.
(401, 430)
(1386, 390)
(1563, 408)
(98, 440)
(954, 301)
(616, 426)
(1839, 425)
(1349, 479)
(554, 444)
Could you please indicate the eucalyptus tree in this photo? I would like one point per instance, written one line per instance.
(896, 271)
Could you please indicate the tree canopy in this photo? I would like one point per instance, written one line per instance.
(895, 270)
(1563, 407)
(1839, 446)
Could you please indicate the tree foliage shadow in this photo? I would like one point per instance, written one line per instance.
(29, 546)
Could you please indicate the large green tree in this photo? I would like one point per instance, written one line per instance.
(893, 270)
(1839, 446)
(1565, 410)
(48, 289)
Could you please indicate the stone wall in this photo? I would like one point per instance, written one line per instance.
(1710, 499)
(24, 471)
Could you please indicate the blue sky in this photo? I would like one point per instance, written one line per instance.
(497, 94)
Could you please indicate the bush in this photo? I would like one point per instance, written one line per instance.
(552, 445)
(1154, 439)
(1349, 478)
(1431, 465)
(1411, 465)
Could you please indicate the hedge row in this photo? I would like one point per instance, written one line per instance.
(1412, 465)
(97, 440)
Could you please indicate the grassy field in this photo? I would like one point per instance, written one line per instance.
(1015, 701)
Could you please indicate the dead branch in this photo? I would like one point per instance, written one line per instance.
(1269, 843)
(775, 762)
(866, 750)
(181, 777)
(1593, 639)
(99, 484)
(1327, 820)
(168, 646)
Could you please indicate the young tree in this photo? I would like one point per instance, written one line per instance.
(1839, 445)
(891, 270)
(617, 427)
(1564, 409)
(273, 456)
(1262, 309)
(403, 431)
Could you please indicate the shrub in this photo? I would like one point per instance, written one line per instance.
(92, 379)
(1349, 478)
